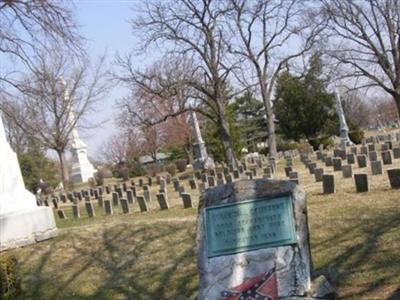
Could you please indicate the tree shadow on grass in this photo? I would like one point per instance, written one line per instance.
(364, 252)
(124, 261)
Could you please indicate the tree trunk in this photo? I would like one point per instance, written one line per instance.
(63, 170)
(226, 141)
(270, 119)
(397, 99)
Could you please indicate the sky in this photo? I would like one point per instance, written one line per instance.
(104, 23)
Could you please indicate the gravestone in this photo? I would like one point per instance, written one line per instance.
(312, 167)
(115, 198)
(142, 204)
(386, 157)
(61, 214)
(162, 184)
(129, 195)
(337, 164)
(108, 207)
(318, 172)
(351, 158)
(76, 211)
(251, 232)
(125, 206)
(211, 181)
(147, 195)
(347, 171)
(228, 178)
(396, 153)
(89, 209)
(353, 150)
(373, 156)
(236, 174)
(361, 181)
(328, 184)
(328, 161)
(187, 200)
(362, 161)
(394, 178)
(193, 184)
(376, 167)
(162, 201)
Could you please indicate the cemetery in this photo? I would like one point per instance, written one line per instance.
(238, 165)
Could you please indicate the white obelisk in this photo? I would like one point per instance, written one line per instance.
(22, 222)
(344, 129)
(201, 158)
(82, 170)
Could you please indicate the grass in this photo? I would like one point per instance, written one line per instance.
(355, 242)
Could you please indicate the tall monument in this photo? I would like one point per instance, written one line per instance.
(82, 170)
(201, 158)
(344, 129)
(22, 222)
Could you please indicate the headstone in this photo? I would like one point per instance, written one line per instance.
(129, 195)
(142, 203)
(328, 161)
(353, 150)
(347, 171)
(361, 181)
(376, 167)
(162, 201)
(108, 207)
(228, 178)
(125, 206)
(371, 147)
(350, 158)
(386, 157)
(63, 198)
(394, 178)
(89, 209)
(312, 167)
(107, 189)
(373, 156)
(362, 161)
(252, 231)
(211, 181)
(187, 200)
(201, 158)
(162, 184)
(337, 164)
(396, 153)
(115, 198)
(147, 195)
(236, 174)
(318, 173)
(55, 203)
(75, 211)
(176, 184)
(328, 184)
(61, 214)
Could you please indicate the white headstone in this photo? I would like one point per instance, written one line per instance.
(22, 222)
(344, 129)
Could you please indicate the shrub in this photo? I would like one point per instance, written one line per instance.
(10, 283)
(171, 169)
(137, 169)
(153, 169)
(181, 165)
(100, 175)
(326, 141)
(356, 136)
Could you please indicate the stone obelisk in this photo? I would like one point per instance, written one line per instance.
(22, 222)
(82, 170)
(201, 158)
(344, 129)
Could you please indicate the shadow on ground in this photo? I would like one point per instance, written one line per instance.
(360, 255)
(124, 261)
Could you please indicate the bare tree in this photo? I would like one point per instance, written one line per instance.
(271, 33)
(365, 39)
(51, 105)
(190, 30)
(16, 136)
(27, 27)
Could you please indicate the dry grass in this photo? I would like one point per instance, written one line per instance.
(355, 241)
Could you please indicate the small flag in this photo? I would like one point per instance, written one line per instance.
(261, 287)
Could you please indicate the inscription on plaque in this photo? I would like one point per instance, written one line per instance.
(249, 225)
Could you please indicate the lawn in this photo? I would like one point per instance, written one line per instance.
(355, 241)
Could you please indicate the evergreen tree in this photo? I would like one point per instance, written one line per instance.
(303, 106)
